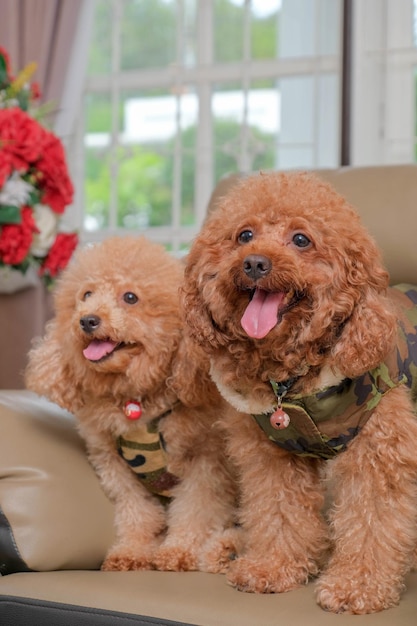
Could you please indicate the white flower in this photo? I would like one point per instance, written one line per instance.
(15, 191)
(47, 223)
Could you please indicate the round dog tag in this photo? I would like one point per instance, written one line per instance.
(132, 410)
(279, 419)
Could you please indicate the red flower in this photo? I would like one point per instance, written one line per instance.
(35, 91)
(54, 181)
(21, 137)
(59, 254)
(33, 159)
(25, 145)
(16, 239)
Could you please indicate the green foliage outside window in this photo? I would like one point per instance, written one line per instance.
(143, 174)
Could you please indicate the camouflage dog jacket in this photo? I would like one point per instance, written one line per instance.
(144, 452)
(322, 424)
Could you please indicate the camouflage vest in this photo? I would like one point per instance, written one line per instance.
(144, 452)
(322, 424)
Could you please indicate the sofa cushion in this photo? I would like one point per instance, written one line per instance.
(169, 598)
(53, 513)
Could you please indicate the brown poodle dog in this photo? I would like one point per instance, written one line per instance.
(115, 356)
(286, 291)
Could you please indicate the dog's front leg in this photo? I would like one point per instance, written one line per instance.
(139, 517)
(374, 518)
(201, 513)
(200, 519)
(285, 536)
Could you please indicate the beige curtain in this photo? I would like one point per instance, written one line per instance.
(41, 31)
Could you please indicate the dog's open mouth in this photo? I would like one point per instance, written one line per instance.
(265, 311)
(100, 349)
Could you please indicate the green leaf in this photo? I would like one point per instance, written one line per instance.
(23, 98)
(23, 266)
(4, 79)
(34, 197)
(10, 214)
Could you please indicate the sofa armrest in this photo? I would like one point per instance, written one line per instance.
(53, 513)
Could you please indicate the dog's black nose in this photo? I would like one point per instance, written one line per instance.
(257, 266)
(90, 323)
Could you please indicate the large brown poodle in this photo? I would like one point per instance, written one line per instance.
(115, 356)
(285, 290)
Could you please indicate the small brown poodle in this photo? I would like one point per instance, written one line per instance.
(115, 356)
(286, 292)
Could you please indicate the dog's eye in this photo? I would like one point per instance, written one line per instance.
(87, 295)
(301, 241)
(130, 298)
(245, 236)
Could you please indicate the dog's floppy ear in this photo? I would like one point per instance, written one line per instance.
(359, 298)
(50, 370)
(197, 317)
(190, 377)
(367, 337)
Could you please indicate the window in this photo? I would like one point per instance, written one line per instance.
(182, 92)
(385, 102)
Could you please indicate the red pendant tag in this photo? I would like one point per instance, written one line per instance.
(132, 409)
(279, 419)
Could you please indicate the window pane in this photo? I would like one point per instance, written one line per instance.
(143, 191)
(185, 172)
(154, 115)
(298, 122)
(309, 27)
(145, 177)
(98, 114)
(265, 28)
(187, 24)
(310, 121)
(327, 114)
(228, 30)
(329, 27)
(246, 127)
(99, 61)
(235, 19)
(148, 33)
(96, 188)
(97, 155)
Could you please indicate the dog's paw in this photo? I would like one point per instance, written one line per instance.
(175, 559)
(127, 560)
(355, 594)
(272, 576)
(220, 551)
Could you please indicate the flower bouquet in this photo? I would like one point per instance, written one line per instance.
(35, 186)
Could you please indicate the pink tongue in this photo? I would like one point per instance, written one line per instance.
(261, 314)
(98, 349)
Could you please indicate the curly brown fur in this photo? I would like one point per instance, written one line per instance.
(116, 336)
(292, 240)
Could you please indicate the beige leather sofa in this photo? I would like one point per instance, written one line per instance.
(56, 524)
